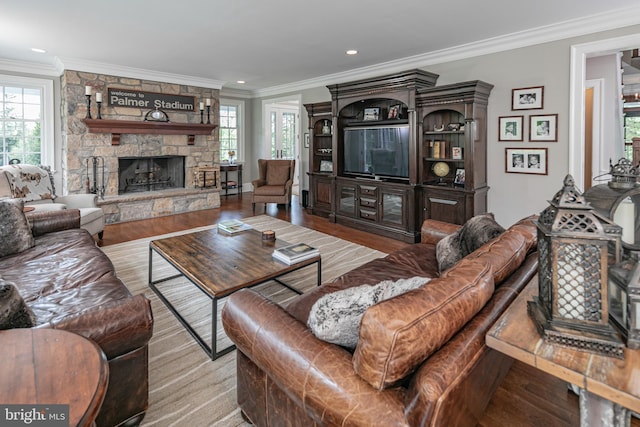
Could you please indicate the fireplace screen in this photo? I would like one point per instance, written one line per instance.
(137, 174)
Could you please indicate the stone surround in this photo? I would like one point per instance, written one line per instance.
(79, 145)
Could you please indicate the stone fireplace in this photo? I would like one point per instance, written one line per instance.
(147, 173)
(139, 174)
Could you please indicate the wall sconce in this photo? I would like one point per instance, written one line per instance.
(624, 298)
(574, 244)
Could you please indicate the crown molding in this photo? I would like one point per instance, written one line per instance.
(235, 93)
(25, 67)
(63, 64)
(572, 28)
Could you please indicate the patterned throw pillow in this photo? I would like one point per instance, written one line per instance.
(30, 182)
(14, 313)
(336, 317)
(472, 235)
(15, 231)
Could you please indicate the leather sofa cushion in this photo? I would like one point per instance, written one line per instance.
(15, 232)
(397, 335)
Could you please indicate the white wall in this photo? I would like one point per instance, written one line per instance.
(514, 196)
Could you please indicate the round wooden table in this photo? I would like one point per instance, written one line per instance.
(53, 367)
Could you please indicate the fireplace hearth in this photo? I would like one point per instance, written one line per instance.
(141, 174)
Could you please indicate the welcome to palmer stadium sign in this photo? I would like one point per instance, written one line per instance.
(149, 100)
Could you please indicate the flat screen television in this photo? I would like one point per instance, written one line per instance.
(377, 151)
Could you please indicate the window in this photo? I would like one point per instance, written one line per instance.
(229, 131)
(632, 130)
(26, 120)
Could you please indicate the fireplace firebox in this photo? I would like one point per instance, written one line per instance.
(138, 174)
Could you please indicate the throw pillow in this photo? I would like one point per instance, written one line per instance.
(14, 313)
(31, 182)
(472, 235)
(15, 232)
(277, 174)
(336, 317)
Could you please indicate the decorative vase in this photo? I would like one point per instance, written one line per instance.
(326, 130)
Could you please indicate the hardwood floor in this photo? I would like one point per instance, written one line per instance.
(527, 397)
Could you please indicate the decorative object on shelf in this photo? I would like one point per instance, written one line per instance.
(156, 115)
(87, 94)
(510, 128)
(456, 153)
(441, 169)
(326, 166)
(459, 178)
(527, 98)
(624, 298)
(394, 112)
(326, 129)
(574, 244)
(231, 155)
(99, 102)
(371, 114)
(543, 128)
(623, 174)
(438, 128)
(454, 127)
(529, 160)
(208, 111)
(95, 182)
(325, 150)
(202, 113)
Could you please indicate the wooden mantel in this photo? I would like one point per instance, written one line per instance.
(118, 127)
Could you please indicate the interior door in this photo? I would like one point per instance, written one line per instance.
(283, 134)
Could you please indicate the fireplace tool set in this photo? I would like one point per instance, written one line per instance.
(95, 175)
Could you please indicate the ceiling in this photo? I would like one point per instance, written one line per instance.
(270, 44)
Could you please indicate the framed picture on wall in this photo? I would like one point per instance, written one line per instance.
(529, 160)
(527, 98)
(543, 128)
(510, 128)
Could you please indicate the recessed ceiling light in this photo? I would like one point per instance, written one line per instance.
(241, 82)
(37, 50)
(352, 52)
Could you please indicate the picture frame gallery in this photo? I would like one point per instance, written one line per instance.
(526, 160)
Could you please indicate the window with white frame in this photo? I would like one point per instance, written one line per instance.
(231, 146)
(26, 120)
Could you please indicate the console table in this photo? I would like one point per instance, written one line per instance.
(226, 183)
(608, 386)
(44, 367)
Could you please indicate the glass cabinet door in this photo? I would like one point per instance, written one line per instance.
(347, 199)
(392, 209)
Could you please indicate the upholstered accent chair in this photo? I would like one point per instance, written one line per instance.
(274, 182)
(35, 186)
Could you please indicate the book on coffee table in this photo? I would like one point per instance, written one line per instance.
(295, 253)
(233, 226)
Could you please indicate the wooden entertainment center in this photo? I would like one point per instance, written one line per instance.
(388, 152)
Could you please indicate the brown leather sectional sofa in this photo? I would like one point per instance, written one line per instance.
(421, 358)
(69, 283)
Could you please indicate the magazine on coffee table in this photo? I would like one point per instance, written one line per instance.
(233, 226)
(295, 253)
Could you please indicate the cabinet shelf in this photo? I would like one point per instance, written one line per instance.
(118, 127)
(444, 132)
(361, 123)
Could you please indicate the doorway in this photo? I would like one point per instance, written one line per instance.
(282, 134)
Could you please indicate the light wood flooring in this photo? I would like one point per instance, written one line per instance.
(527, 397)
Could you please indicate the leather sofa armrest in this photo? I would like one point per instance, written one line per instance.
(433, 230)
(49, 221)
(77, 201)
(118, 327)
(311, 372)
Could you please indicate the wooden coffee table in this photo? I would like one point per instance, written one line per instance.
(220, 264)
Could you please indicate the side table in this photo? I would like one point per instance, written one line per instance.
(228, 184)
(52, 367)
(608, 386)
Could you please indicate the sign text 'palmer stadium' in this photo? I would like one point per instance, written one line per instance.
(140, 99)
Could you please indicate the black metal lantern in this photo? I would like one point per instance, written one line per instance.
(574, 246)
(624, 298)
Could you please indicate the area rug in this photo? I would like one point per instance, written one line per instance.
(186, 387)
